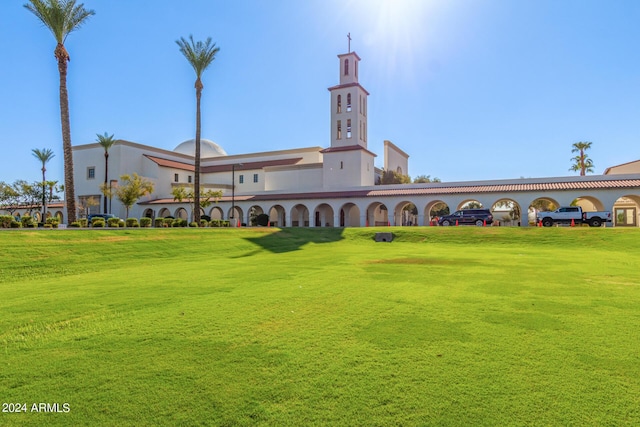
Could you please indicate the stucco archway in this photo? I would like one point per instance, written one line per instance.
(323, 216)
(278, 216)
(378, 214)
(299, 216)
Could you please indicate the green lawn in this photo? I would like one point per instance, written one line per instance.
(443, 326)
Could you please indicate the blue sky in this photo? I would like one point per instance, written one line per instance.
(470, 89)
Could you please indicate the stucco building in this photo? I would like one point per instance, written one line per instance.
(330, 186)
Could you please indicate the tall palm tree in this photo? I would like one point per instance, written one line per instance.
(63, 17)
(44, 156)
(582, 162)
(200, 55)
(106, 141)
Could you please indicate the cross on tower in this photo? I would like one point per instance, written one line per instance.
(349, 38)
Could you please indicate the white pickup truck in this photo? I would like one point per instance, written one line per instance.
(565, 215)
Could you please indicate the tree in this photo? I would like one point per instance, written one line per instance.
(9, 197)
(200, 55)
(44, 156)
(106, 141)
(581, 163)
(132, 188)
(392, 177)
(423, 179)
(207, 197)
(62, 17)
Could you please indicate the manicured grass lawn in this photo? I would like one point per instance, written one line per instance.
(443, 326)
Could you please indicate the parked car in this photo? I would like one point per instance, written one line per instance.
(103, 216)
(477, 217)
(567, 214)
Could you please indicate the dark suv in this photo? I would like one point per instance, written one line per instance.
(103, 216)
(477, 217)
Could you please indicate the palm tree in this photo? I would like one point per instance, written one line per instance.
(63, 17)
(200, 55)
(44, 156)
(582, 162)
(106, 141)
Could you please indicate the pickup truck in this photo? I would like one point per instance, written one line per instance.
(565, 215)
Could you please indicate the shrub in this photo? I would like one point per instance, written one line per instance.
(97, 222)
(226, 223)
(193, 224)
(48, 226)
(121, 223)
(27, 221)
(168, 222)
(54, 221)
(179, 222)
(75, 224)
(132, 222)
(204, 223)
(15, 224)
(215, 223)
(262, 220)
(145, 222)
(5, 221)
(113, 222)
(83, 222)
(205, 217)
(158, 222)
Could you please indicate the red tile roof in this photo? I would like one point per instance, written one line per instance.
(222, 168)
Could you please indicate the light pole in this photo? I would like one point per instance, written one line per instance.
(112, 183)
(233, 190)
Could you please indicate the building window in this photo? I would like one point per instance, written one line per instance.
(255, 177)
(346, 67)
(341, 165)
(175, 177)
(348, 128)
(241, 179)
(339, 131)
(91, 172)
(356, 67)
(348, 102)
(189, 179)
(339, 103)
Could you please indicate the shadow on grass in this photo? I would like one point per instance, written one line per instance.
(292, 239)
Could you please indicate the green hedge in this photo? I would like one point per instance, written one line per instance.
(132, 222)
(145, 222)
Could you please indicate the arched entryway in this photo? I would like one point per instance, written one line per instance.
(299, 216)
(277, 216)
(323, 216)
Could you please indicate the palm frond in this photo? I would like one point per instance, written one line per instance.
(62, 17)
(199, 54)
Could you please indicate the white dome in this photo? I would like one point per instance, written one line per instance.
(208, 148)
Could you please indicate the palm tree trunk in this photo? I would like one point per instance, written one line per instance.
(69, 191)
(106, 177)
(196, 181)
(44, 196)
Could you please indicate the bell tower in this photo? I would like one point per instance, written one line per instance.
(348, 162)
(348, 105)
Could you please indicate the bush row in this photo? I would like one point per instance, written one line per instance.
(8, 221)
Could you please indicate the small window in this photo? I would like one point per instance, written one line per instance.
(356, 67)
(175, 177)
(346, 67)
(255, 177)
(241, 179)
(341, 165)
(91, 172)
(339, 130)
(189, 179)
(348, 128)
(348, 102)
(339, 104)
